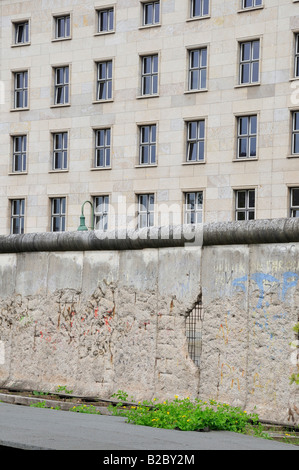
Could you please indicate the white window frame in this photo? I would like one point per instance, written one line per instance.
(198, 141)
(151, 76)
(25, 38)
(250, 137)
(148, 145)
(249, 62)
(248, 209)
(109, 14)
(21, 94)
(146, 212)
(63, 86)
(19, 155)
(293, 208)
(156, 13)
(101, 212)
(201, 70)
(66, 18)
(60, 153)
(200, 4)
(102, 156)
(193, 213)
(17, 216)
(104, 90)
(60, 215)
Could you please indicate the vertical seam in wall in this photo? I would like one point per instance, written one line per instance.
(248, 327)
(157, 326)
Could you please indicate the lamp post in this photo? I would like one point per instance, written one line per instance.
(82, 227)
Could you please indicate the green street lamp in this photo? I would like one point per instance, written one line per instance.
(82, 227)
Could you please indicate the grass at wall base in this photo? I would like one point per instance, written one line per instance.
(187, 415)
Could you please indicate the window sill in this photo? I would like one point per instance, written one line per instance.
(67, 105)
(103, 33)
(244, 10)
(110, 100)
(61, 39)
(295, 155)
(202, 162)
(147, 165)
(198, 18)
(142, 97)
(14, 173)
(190, 92)
(21, 44)
(245, 159)
(149, 26)
(59, 171)
(15, 110)
(102, 168)
(245, 85)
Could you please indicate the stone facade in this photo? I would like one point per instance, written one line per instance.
(271, 172)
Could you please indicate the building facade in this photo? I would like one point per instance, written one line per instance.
(157, 112)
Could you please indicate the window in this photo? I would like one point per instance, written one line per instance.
(245, 204)
(21, 90)
(101, 210)
(17, 216)
(147, 147)
(194, 207)
(294, 202)
(295, 133)
(104, 81)
(21, 33)
(62, 27)
(247, 137)
(146, 204)
(62, 84)
(60, 150)
(251, 3)
(199, 8)
(151, 13)
(105, 20)
(58, 214)
(149, 79)
(296, 65)
(19, 156)
(102, 148)
(195, 141)
(249, 62)
(198, 69)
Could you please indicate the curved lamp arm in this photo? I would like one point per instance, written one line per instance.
(82, 227)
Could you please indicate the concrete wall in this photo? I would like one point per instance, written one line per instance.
(99, 320)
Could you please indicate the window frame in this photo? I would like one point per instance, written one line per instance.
(147, 212)
(292, 206)
(150, 144)
(201, 68)
(197, 210)
(201, 6)
(250, 62)
(105, 10)
(196, 141)
(64, 150)
(20, 216)
(249, 136)
(60, 216)
(64, 85)
(23, 91)
(295, 133)
(16, 25)
(21, 154)
(155, 21)
(251, 7)
(67, 18)
(247, 209)
(105, 82)
(101, 218)
(153, 75)
(105, 148)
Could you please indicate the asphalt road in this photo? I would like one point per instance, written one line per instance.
(28, 428)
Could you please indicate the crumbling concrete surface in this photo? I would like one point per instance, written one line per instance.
(100, 320)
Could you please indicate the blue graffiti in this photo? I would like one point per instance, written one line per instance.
(290, 280)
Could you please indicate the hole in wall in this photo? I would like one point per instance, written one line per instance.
(194, 322)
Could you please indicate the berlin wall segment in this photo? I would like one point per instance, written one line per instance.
(100, 319)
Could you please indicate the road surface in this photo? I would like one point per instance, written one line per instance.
(29, 428)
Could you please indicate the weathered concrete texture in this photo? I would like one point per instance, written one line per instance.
(99, 321)
(103, 320)
(249, 314)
